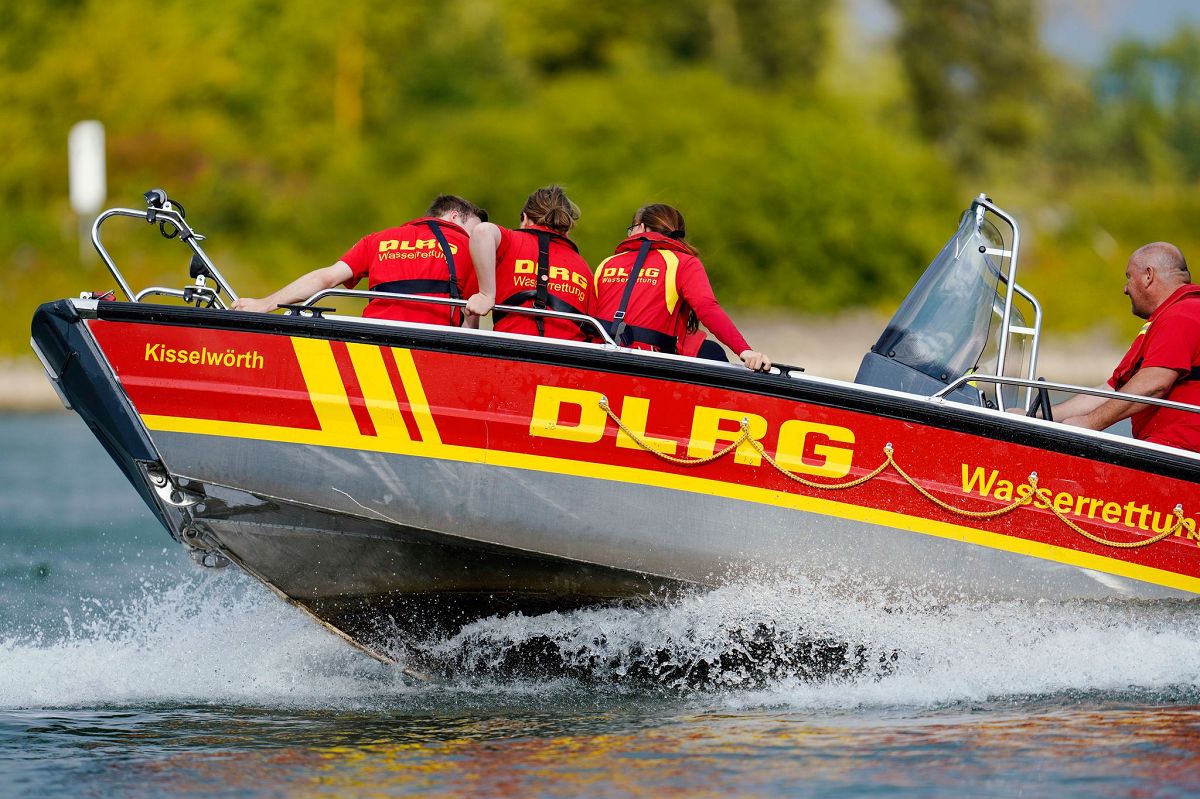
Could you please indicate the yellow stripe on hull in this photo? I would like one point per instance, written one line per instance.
(433, 448)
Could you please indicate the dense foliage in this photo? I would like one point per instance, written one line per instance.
(813, 178)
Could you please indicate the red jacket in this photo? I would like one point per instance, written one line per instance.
(671, 283)
(569, 287)
(408, 260)
(1170, 339)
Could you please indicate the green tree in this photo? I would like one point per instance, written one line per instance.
(975, 69)
(1148, 98)
(772, 41)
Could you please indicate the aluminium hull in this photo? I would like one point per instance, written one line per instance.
(394, 475)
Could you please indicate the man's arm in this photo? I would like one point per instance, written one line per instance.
(1101, 412)
(1075, 405)
(299, 289)
(485, 239)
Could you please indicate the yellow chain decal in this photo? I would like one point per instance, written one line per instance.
(889, 461)
(1118, 544)
(671, 458)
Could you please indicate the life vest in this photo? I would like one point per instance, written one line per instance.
(625, 334)
(650, 287)
(1164, 425)
(432, 287)
(526, 277)
(427, 256)
(657, 319)
(1132, 361)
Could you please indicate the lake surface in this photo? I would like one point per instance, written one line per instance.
(125, 670)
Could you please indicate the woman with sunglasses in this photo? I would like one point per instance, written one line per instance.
(654, 292)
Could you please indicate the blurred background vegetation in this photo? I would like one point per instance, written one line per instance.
(815, 176)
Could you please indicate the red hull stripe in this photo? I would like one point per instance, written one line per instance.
(354, 392)
(402, 400)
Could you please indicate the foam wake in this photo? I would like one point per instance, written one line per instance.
(220, 638)
(833, 644)
(749, 635)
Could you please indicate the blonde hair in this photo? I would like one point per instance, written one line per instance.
(551, 207)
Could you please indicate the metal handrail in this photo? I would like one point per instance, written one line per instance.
(1065, 387)
(1035, 337)
(1014, 250)
(544, 312)
(163, 291)
(156, 216)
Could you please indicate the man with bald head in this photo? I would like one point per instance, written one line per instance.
(1164, 359)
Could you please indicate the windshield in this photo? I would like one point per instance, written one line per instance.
(941, 328)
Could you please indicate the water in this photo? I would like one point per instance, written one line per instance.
(125, 670)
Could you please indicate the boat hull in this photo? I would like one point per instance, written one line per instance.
(397, 479)
(632, 528)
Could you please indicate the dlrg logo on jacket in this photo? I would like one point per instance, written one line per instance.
(404, 245)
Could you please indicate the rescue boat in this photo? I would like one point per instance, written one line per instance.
(394, 479)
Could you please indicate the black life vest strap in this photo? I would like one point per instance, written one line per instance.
(455, 313)
(412, 286)
(542, 290)
(644, 335)
(1191, 374)
(617, 326)
(553, 302)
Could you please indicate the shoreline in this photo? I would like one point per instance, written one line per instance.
(828, 347)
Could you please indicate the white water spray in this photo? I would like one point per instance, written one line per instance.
(219, 638)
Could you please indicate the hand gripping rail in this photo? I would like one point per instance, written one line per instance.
(159, 212)
(1067, 387)
(544, 312)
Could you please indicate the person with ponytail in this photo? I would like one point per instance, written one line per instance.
(535, 266)
(653, 293)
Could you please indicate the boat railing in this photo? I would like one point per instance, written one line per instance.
(945, 393)
(1008, 329)
(171, 221)
(1031, 332)
(309, 307)
(582, 319)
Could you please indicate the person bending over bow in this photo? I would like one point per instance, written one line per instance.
(535, 266)
(1163, 361)
(653, 292)
(428, 256)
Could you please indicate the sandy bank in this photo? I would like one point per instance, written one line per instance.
(24, 387)
(829, 347)
(834, 346)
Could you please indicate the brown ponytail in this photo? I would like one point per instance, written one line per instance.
(664, 219)
(551, 207)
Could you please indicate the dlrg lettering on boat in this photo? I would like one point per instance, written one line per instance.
(801, 446)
